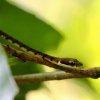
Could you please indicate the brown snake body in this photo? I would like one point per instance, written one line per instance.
(56, 60)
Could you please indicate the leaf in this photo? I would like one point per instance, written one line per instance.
(27, 28)
(8, 87)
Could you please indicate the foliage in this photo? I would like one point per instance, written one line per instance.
(79, 32)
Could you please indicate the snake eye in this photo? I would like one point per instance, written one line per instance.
(71, 62)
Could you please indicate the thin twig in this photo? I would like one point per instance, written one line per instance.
(32, 78)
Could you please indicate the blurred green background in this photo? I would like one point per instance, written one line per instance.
(67, 28)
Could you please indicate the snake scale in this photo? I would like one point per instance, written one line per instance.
(56, 60)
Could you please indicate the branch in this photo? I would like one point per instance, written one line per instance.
(32, 78)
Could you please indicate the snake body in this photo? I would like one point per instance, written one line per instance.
(52, 59)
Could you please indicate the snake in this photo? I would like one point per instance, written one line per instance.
(56, 60)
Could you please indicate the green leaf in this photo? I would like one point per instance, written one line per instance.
(27, 28)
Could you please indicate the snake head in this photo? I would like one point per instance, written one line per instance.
(71, 62)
